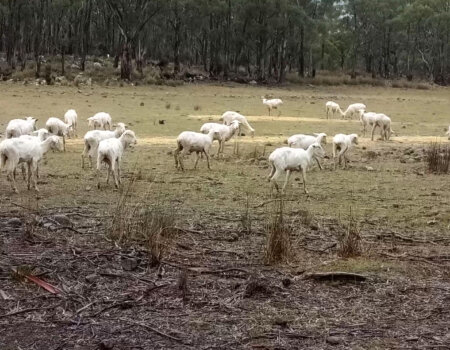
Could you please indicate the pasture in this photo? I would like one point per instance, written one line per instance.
(212, 289)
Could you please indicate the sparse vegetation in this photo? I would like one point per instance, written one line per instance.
(438, 158)
(350, 241)
(278, 247)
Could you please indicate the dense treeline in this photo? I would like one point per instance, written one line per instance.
(261, 39)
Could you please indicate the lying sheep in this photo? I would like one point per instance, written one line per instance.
(225, 133)
(111, 151)
(18, 127)
(92, 139)
(189, 141)
(57, 127)
(286, 159)
(304, 141)
(25, 150)
(343, 143)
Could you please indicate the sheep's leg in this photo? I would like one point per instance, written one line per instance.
(83, 155)
(219, 149)
(207, 159)
(98, 173)
(64, 143)
(118, 171)
(32, 168)
(113, 170)
(37, 171)
(288, 175)
(29, 176)
(109, 174)
(24, 175)
(373, 130)
(269, 110)
(175, 155)
(318, 163)
(334, 155)
(304, 180)
(196, 160)
(10, 177)
(271, 173)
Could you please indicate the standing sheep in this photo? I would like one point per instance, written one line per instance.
(111, 151)
(332, 108)
(272, 103)
(286, 159)
(448, 133)
(71, 118)
(25, 150)
(225, 133)
(343, 143)
(304, 141)
(229, 116)
(384, 123)
(100, 120)
(57, 127)
(353, 109)
(18, 127)
(367, 119)
(189, 141)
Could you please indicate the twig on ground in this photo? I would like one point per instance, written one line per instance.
(168, 336)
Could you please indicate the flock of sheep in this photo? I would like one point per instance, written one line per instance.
(25, 144)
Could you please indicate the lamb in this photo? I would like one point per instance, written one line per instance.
(111, 151)
(304, 141)
(229, 116)
(25, 150)
(353, 109)
(286, 159)
(448, 133)
(225, 133)
(71, 118)
(332, 108)
(384, 122)
(41, 135)
(100, 120)
(93, 137)
(18, 127)
(343, 143)
(189, 141)
(57, 127)
(367, 119)
(272, 104)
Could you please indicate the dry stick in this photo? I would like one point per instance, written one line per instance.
(26, 310)
(61, 227)
(153, 330)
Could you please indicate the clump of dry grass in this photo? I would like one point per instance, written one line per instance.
(278, 246)
(197, 107)
(438, 158)
(149, 225)
(246, 219)
(350, 241)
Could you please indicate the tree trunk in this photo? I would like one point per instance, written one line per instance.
(125, 63)
(301, 68)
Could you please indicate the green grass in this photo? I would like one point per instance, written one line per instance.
(400, 196)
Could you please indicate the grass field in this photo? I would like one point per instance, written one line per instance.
(402, 213)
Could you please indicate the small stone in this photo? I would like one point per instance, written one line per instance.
(14, 222)
(91, 278)
(142, 103)
(233, 237)
(313, 226)
(333, 340)
(286, 282)
(129, 264)
(88, 188)
(431, 222)
(63, 220)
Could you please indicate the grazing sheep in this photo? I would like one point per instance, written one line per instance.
(353, 109)
(448, 133)
(332, 108)
(229, 116)
(18, 127)
(189, 141)
(286, 159)
(272, 103)
(25, 150)
(100, 120)
(304, 141)
(384, 123)
(343, 143)
(225, 133)
(57, 127)
(93, 137)
(111, 151)
(71, 118)
(367, 119)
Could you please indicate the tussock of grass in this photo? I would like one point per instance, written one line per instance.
(438, 158)
(278, 235)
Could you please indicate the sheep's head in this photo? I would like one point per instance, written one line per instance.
(55, 143)
(129, 137)
(42, 134)
(321, 138)
(317, 150)
(32, 121)
(235, 124)
(354, 138)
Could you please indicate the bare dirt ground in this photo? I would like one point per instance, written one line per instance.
(212, 289)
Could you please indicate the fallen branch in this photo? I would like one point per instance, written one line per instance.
(337, 275)
(26, 310)
(168, 336)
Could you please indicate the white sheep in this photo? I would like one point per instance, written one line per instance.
(367, 119)
(18, 127)
(100, 120)
(304, 141)
(272, 103)
(229, 116)
(71, 118)
(448, 133)
(93, 137)
(57, 127)
(343, 143)
(25, 150)
(384, 123)
(189, 141)
(353, 109)
(41, 135)
(332, 108)
(225, 133)
(111, 151)
(286, 159)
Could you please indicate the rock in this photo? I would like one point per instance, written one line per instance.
(129, 264)
(431, 222)
(91, 278)
(88, 188)
(252, 82)
(63, 220)
(369, 168)
(233, 237)
(286, 282)
(313, 226)
(14, 222)
(142, 104)
(333, 340)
